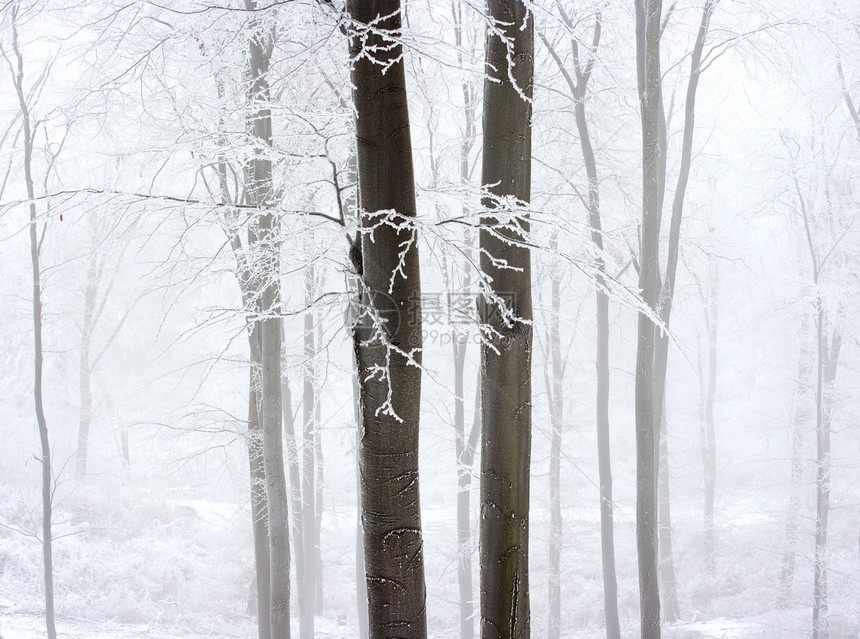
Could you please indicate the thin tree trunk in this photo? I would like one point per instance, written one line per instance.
(249, 287)
(709, 448)
(799, 425)
(578, 86)
(465, 451)
(668, 580)
(85, 368)
(35, 255)
(465, 445)
(555, 390)
(506, 392)
(267, 243)
(852, 109)
(259, 509)
(307, 586)
(828, 358)
(388, 337)
(318, 498)
(648, 14)
(294, 469)
(666, 291)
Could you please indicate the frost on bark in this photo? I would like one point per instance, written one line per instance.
(506, 314)
(387, 337)
(28, 130)
(266, 249)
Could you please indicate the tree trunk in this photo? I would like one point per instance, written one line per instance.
(267, 245)
(259, 509)
(647, 434)
(465, 445)
(607, 528)
(828, 358)
(709, 443)
(307, 585)
(506, 313)
(318, 478)
(388, 336)
(555, 391)
(294, 468)
(85, 368)
(465, 451)
(360, 583)
(35, 256)
(668, 580)
(799, 425)
(318, 503)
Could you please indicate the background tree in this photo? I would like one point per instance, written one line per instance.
(577, 84)
(265, 246)
(29, 129)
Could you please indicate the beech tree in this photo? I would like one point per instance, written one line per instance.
(657, 293)
(577, 85)
(387, 338)
(265, 245)
(506, 315)
(29, 129)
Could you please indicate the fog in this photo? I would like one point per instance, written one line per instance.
(215, 348)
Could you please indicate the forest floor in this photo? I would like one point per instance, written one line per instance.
(171, 572)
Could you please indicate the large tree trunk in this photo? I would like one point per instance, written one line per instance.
(267, 249)
(35, 255)
(506, 312)
(647, 434)
(388, 336)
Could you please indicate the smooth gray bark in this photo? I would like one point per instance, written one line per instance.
(85, 365)
(248, 286)
(709, 443)
(259, 502)
(307, 582)
(17, 70)
(555, 391)
(828, 346)
(506, 313)
(801, 406)
(465, 444)
(648, 14)
(578, 86)
(388, 337)
(267, 248)
(671, 609)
